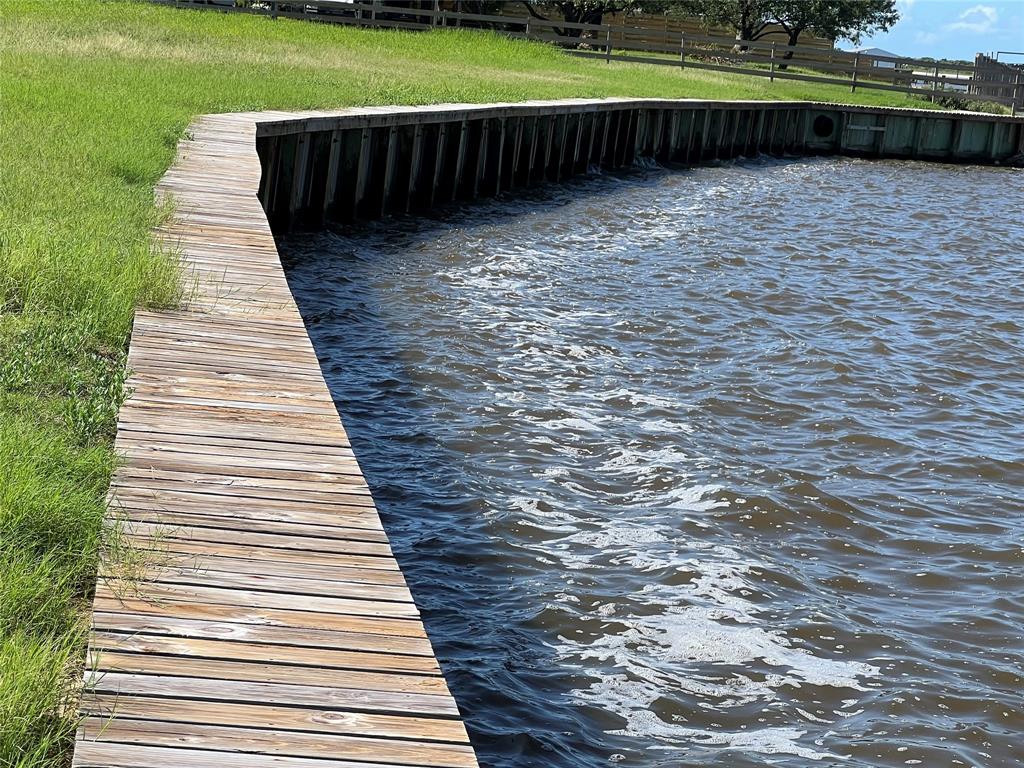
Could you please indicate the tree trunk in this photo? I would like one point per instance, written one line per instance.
(741, 38)
(745, 27)
(577, 15)
(794, 35)
(573, 14)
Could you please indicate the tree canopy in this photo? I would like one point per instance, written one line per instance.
(579, 11)
(753, 19)
(834, 19)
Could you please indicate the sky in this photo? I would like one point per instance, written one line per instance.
(954, 29)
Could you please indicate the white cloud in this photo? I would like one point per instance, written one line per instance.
(978, 19)
(927, 38)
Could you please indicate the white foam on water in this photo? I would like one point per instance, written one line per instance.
(645, 398)
(765, 741)
(694, 498)
(704, 639)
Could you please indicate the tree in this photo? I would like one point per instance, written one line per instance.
(750, 18)
(834, 19)
(482, 7)
(578, 11)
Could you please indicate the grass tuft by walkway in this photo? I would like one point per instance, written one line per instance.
(95, 96)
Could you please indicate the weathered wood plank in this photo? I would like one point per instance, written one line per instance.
(291, 655)
(267, 555)
(213, 564)
(253, 748)
(156, 592)
(156, 622)
(296, 729)
(175, 521)
(322, 545)
(219, 669)
(288, 586)
(121, 684)
(95, 749)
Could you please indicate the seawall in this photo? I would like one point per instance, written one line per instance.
(366, 163)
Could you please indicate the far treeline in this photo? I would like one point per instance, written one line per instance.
(751, 19)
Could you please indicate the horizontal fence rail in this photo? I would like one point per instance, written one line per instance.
(626, 43)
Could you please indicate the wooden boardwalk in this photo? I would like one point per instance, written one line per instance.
(271, 626)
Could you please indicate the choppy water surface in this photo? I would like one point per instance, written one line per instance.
(720, 467)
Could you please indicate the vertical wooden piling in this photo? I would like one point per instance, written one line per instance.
(333, 165)
(299, 171)
(389, 169)
(460, 158)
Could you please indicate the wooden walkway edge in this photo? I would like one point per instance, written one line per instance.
(273, 627)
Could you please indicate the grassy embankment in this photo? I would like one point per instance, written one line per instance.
(95, 96)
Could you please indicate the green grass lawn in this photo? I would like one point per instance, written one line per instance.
(95, 96)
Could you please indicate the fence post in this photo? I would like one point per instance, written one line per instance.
(771, 70)
(526, 31)
(373, 12)
(935, 84)
(437, 7)
(608, 46)
(682, 49)
(1016, 99)
(856, 63)
(273, 9)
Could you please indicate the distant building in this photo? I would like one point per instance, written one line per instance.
(950, 81)
(880, 63)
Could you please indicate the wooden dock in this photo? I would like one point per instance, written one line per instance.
(271, 625)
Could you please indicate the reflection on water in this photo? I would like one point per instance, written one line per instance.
(716, 467)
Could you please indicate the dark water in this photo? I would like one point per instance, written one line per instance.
(721, 467)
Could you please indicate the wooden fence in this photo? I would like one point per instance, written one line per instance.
(628, 43)
(654, 28)
(994, 78)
